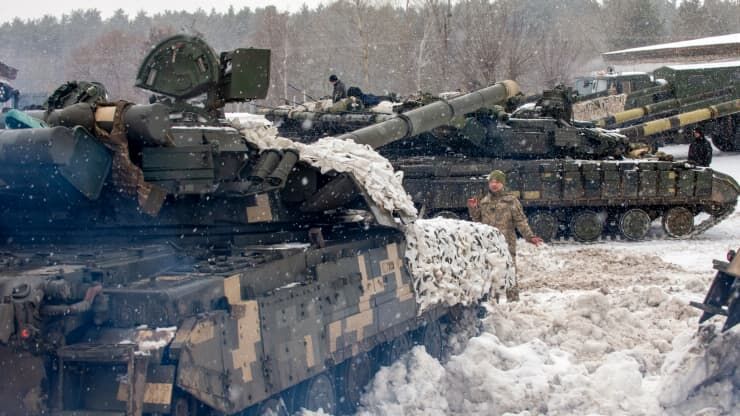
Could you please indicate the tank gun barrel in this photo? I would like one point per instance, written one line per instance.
(682, 120)
(687, 104)
(148, 123)
(658, 89)
(316, 118)
(428, 117)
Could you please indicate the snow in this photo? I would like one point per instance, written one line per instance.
(601, 329)
(148, 341)
(733, 38)
(245, 119)
(709, 65)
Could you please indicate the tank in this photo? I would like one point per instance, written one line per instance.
(681, 89)
(157, 260)
(723, 298)
(319, 118)
(573, 181)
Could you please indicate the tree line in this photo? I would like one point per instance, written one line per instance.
(382, 46)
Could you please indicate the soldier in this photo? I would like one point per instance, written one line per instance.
(700, 150)
(504, 212)
(339, 91)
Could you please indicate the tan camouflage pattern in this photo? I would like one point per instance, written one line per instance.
(260, 211)
(265, 345)
(248, 325)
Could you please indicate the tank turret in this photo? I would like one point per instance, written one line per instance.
(158, 260)
(437, 114)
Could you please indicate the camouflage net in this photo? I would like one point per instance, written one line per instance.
(373, 171)
(456, 262)
(127, 177)
(599, 107)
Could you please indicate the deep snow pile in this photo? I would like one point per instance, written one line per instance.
(373, 171)
(601, 329)
(456, 261)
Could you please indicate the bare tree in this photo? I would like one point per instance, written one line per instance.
(111, 59)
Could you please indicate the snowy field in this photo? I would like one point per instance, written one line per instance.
(601, 329)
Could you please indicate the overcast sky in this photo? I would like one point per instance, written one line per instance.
(10, 9)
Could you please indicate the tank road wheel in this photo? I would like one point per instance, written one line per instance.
(634, 224)
(544, 224)
(351, 379)
(316, 393)
(430, 336)
(274, 406)
(586, 226)
(393, 350)
(678, 221)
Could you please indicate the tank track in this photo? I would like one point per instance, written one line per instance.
(698, 229)
(708, 223)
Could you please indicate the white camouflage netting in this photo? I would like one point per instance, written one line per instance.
(455, 261)
(451, 261)
(371, 169)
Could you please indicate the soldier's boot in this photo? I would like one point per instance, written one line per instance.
(512, 294)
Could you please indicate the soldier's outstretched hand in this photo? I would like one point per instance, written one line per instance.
(472, 202)
(536, 240)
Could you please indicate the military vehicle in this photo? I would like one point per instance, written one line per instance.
(573, 181)
(683, 89)
(723, 297)
(609, 83)
(157, 261)
(315, 119)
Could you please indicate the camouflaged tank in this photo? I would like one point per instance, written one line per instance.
(573, 180)
(156, 261)
(314, 119)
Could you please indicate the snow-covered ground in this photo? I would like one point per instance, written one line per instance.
(601, 329)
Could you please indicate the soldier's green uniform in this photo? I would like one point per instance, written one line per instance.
(504, 212)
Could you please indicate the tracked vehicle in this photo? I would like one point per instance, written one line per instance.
(573, 180)
(158, 261)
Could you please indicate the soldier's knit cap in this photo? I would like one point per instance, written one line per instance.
(498, 175)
